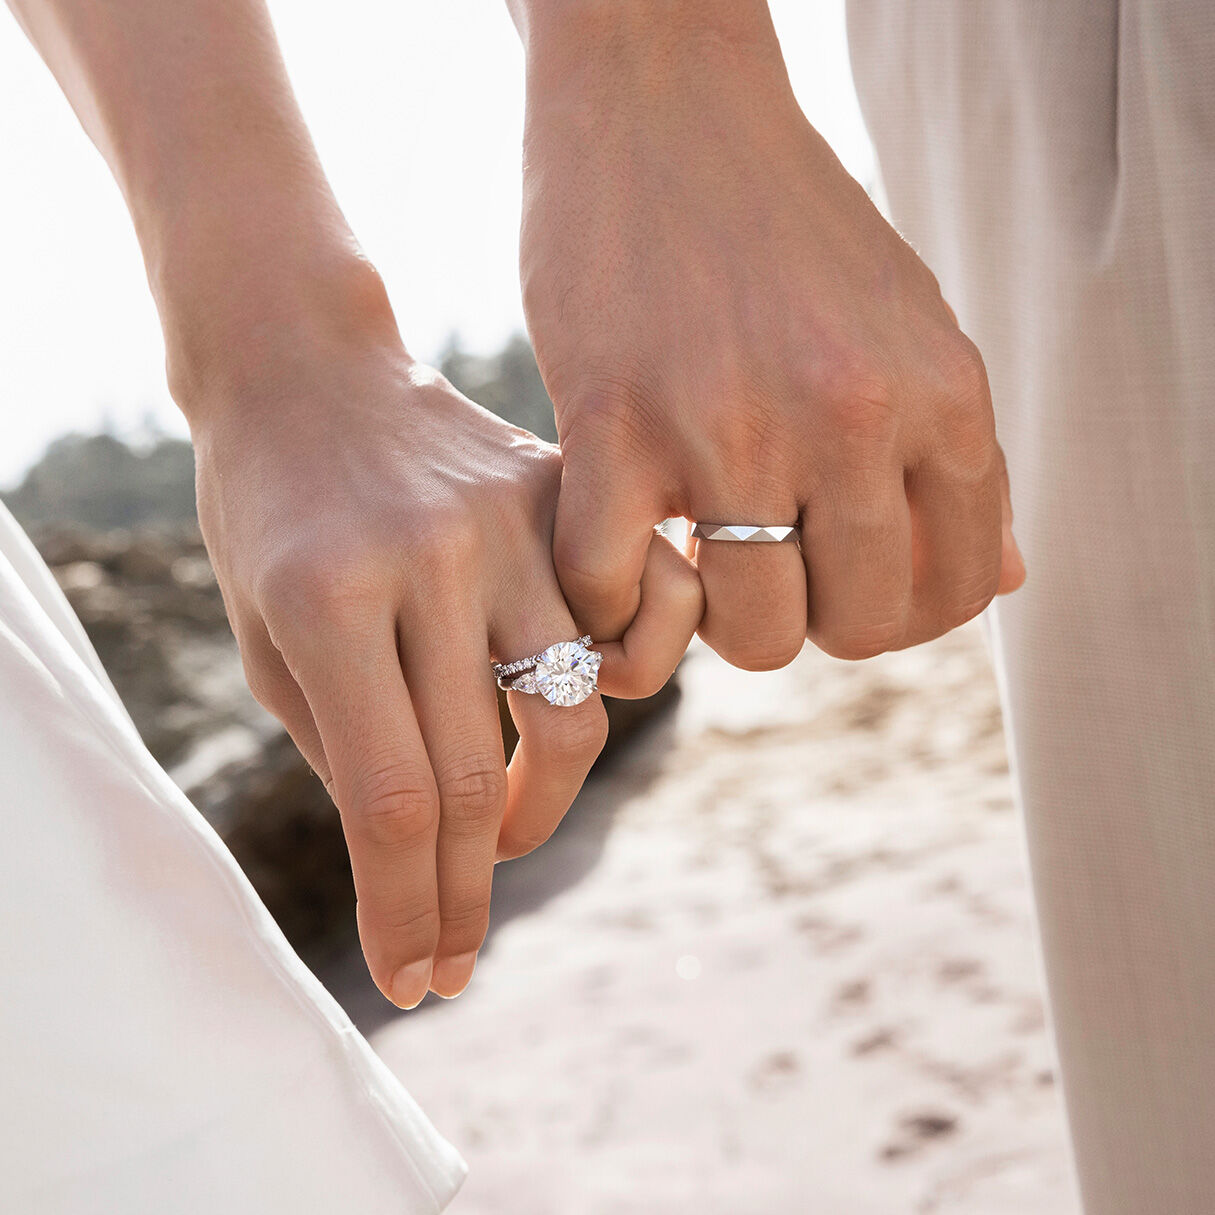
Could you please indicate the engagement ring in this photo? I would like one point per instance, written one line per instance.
(566, 673)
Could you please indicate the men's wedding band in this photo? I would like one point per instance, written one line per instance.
(746, 533)
(566, 673)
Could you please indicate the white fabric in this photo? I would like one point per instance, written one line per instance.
(162, 1049)
(1054, 163)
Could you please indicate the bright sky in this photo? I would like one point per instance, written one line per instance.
(417, 111)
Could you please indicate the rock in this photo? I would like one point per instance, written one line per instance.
(146, 558)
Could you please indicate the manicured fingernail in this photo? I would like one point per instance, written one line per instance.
(410, 984)
(451, 975)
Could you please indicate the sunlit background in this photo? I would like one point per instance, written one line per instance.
(417, 111)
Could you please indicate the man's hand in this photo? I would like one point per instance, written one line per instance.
(731, 332)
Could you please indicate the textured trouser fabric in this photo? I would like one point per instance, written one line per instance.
(1054, 162)
(162, 1049)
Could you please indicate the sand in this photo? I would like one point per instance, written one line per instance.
(779, 959)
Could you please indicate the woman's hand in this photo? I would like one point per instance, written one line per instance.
(378, 537)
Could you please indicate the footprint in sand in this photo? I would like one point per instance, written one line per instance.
(775, 1071)
(852, 995)
(881, 1039)
(917, 1130)
(827, 936)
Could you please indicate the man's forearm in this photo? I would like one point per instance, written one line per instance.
(190, 105)
(583, 23)
(588, 47)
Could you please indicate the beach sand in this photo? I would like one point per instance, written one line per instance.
(779, 959)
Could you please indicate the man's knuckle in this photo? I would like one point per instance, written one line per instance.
(686, 591)
(581, 576)
(964, 371)
(616, 412)
(762, 651)
(971, 597)
(964, 417)
(866, 419)
(837, 371)
(858, 642)
(973, 463)
(967, 455)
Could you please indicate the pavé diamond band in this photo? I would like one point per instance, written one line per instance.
(746, 533)
(566, 673)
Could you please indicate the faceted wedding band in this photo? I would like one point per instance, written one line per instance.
(746, 533)
(566, 673)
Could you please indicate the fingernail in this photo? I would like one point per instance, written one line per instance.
(451, 975)
(410, 984)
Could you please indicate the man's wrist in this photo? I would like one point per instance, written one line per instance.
(541, 21)
(599, 46)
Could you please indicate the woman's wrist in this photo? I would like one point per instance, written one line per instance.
(235, 316)
(247, 251)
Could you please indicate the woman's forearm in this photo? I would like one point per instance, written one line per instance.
(190, 105)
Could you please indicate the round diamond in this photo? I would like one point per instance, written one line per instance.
(567, 673)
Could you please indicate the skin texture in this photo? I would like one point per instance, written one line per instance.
(377, 537)
(731, 332)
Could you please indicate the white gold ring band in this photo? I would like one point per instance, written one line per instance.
(747, 533)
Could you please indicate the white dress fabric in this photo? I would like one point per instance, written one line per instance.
(162, 1048)
(1054, 163)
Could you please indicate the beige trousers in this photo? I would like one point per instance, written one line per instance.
(1054, 162)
